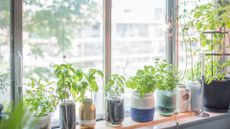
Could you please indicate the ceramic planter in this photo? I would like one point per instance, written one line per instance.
(217, 96)
(114, 110)
(183, 99)
(142, 108)
(44, 122)
(166, 102)
(196, 97)
(87, 112)
(67, 115)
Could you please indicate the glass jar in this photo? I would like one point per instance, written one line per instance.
(166, 102)
(114, 110)
(87, 112)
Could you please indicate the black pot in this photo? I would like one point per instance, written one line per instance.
(114, 111)
(217, 96)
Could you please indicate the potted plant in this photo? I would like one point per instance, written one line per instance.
(211, 21)
(114, 100)
(41, 101)
(143, 85)
(167, 80)
(66, 90)
(87, 83)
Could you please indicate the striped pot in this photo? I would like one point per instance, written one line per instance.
(142, 108)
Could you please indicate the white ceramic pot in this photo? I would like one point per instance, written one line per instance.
(44, 122)
(142, 108)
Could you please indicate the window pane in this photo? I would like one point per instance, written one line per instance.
(138, 34)
(5, 52)
(54, 29)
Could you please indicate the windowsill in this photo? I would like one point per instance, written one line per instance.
(160, 121)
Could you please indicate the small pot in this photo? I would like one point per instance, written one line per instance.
(87, 112)
(217, 96)
(67, 115)
(114, 110)
(166, 102)
(142, 108)
(44, 122)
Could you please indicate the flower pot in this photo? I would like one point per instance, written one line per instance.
(166, 102)
(114, 110)
(196, 97)
(142, 108)
(87, 112)
(44, 122)
(67, 115)
(183, 99)
(217, 96)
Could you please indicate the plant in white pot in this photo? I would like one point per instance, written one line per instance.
(167, 80)
(114, 89)
(66, 89)
(41, 100)
(87, 84)
(143, 85)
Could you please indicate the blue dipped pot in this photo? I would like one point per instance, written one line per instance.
(142, 108)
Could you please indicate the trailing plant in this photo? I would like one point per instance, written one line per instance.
(200, 19)
(40, 97)
(166, 75)
(115, 85)
(144, 81)
(74, 83)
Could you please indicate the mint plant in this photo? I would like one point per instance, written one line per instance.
(40, 97)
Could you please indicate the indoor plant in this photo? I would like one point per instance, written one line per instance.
(87, 83)
(41, 101)
(143, 85)
(212, 20)
(167, 80)
(66, 89)
(114, 100)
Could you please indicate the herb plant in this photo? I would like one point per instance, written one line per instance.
(203, 18)
(74, 83)
(144, 81)
(166, 75)
(40, 97)
(115, 85)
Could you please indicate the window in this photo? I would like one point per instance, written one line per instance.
(64, 31)
(5, 52)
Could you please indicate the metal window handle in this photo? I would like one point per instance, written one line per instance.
(19, 74)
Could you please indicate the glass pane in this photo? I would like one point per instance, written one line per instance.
(58, 29)
(5, 52)
(138, 34)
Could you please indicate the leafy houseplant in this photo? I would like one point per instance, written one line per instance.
(167, 80)
(142, 101)
(114, 101)
(66, 85)
(87, 110)
(212, 20)
(42, 101)
(19, 118)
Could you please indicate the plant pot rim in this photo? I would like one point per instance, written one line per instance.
(138, 94)
(67, 102)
